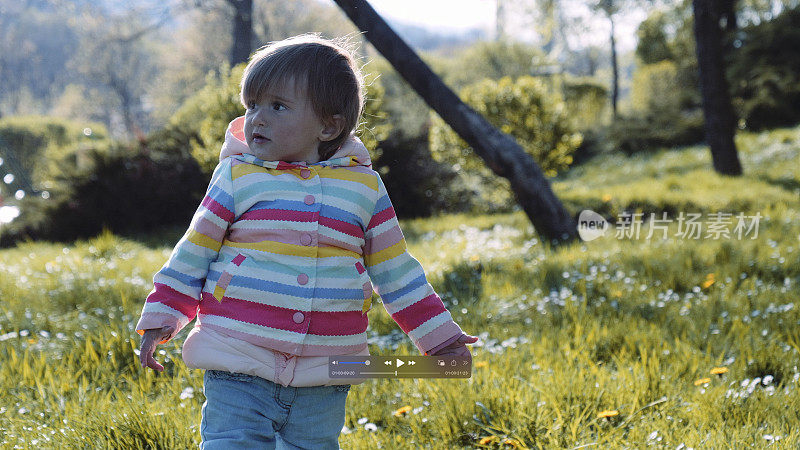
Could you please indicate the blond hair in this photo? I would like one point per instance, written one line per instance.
(325, 69)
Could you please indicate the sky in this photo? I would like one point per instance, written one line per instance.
(440, 14)
(460, 15)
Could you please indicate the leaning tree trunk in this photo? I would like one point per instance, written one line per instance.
(717, 108)
(242, 30)
(502, 154)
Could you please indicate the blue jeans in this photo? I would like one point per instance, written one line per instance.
(246, 411)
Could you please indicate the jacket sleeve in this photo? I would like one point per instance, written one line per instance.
(177, 285)
(400, 280)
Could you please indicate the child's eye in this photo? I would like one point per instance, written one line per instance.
(277, 106)
(251, 105)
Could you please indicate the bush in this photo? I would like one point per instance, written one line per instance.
(653, 88)
(659, 119)
(762, 64)
(764, 72)
(632, 134)
(122, 189)
(522, 108)
(586, 102)
(417, 185)
(32, 147)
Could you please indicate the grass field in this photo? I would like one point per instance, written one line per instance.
(606, 343)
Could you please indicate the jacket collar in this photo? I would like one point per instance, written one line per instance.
(351, 153)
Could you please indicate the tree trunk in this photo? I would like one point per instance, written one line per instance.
(502, 154)
(615, 70)
(242, 30)
(717, 108)
(499, 20)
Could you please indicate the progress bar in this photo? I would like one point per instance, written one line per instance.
(399, 367)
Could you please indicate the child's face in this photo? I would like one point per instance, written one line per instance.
(282, 126)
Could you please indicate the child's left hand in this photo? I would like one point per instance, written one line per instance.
(458, 347)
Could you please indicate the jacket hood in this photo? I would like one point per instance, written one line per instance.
(351, 153)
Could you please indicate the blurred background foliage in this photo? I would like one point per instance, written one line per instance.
(115, 116)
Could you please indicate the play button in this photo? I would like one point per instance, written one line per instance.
(399, 363)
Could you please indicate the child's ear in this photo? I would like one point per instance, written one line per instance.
(332, 128)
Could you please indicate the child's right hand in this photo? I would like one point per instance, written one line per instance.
(150, 339)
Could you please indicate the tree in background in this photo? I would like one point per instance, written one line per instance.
(610, 8)
(116, 57)
(36, 44)
(720, 123)
(275, 20)
(502, 154)
(764, 72)
(242, 31)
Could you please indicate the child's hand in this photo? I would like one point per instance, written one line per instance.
(458, 347)
(150, 339)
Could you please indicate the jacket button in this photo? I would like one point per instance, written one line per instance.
(306, 239)
(305, 173)
(302, 278)
(309, 199)
(298, 317)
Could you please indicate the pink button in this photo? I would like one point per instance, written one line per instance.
(306, 239)
(302, 278)
(305, 173)
(309, 199)
(298, 317)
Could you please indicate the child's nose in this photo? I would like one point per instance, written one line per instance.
(259, 118)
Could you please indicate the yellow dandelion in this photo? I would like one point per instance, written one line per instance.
(31, 340)
(709, 281)
(402, 411)
(487, 440)
(606, 197)
(512, 442)
(702, 381)
(481, 364)
(474, 258)
(617, 294)
(719, 370)
(607, 413)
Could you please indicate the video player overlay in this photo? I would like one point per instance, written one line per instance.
(399, 367)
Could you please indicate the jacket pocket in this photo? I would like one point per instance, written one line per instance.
(366, 285)
(227, 276)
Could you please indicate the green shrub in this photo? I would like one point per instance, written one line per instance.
(205, 116)
(586, 102)
(121, 189)
(764, 72)
(632, 134)
(653, 88)
(659, 118)
(521, 108)
(417, 185)
(32, 147)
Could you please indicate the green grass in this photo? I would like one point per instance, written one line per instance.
(612, 324)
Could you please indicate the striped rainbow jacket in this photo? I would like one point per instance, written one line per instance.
(285, 256)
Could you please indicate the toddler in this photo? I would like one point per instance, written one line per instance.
(279, 261)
